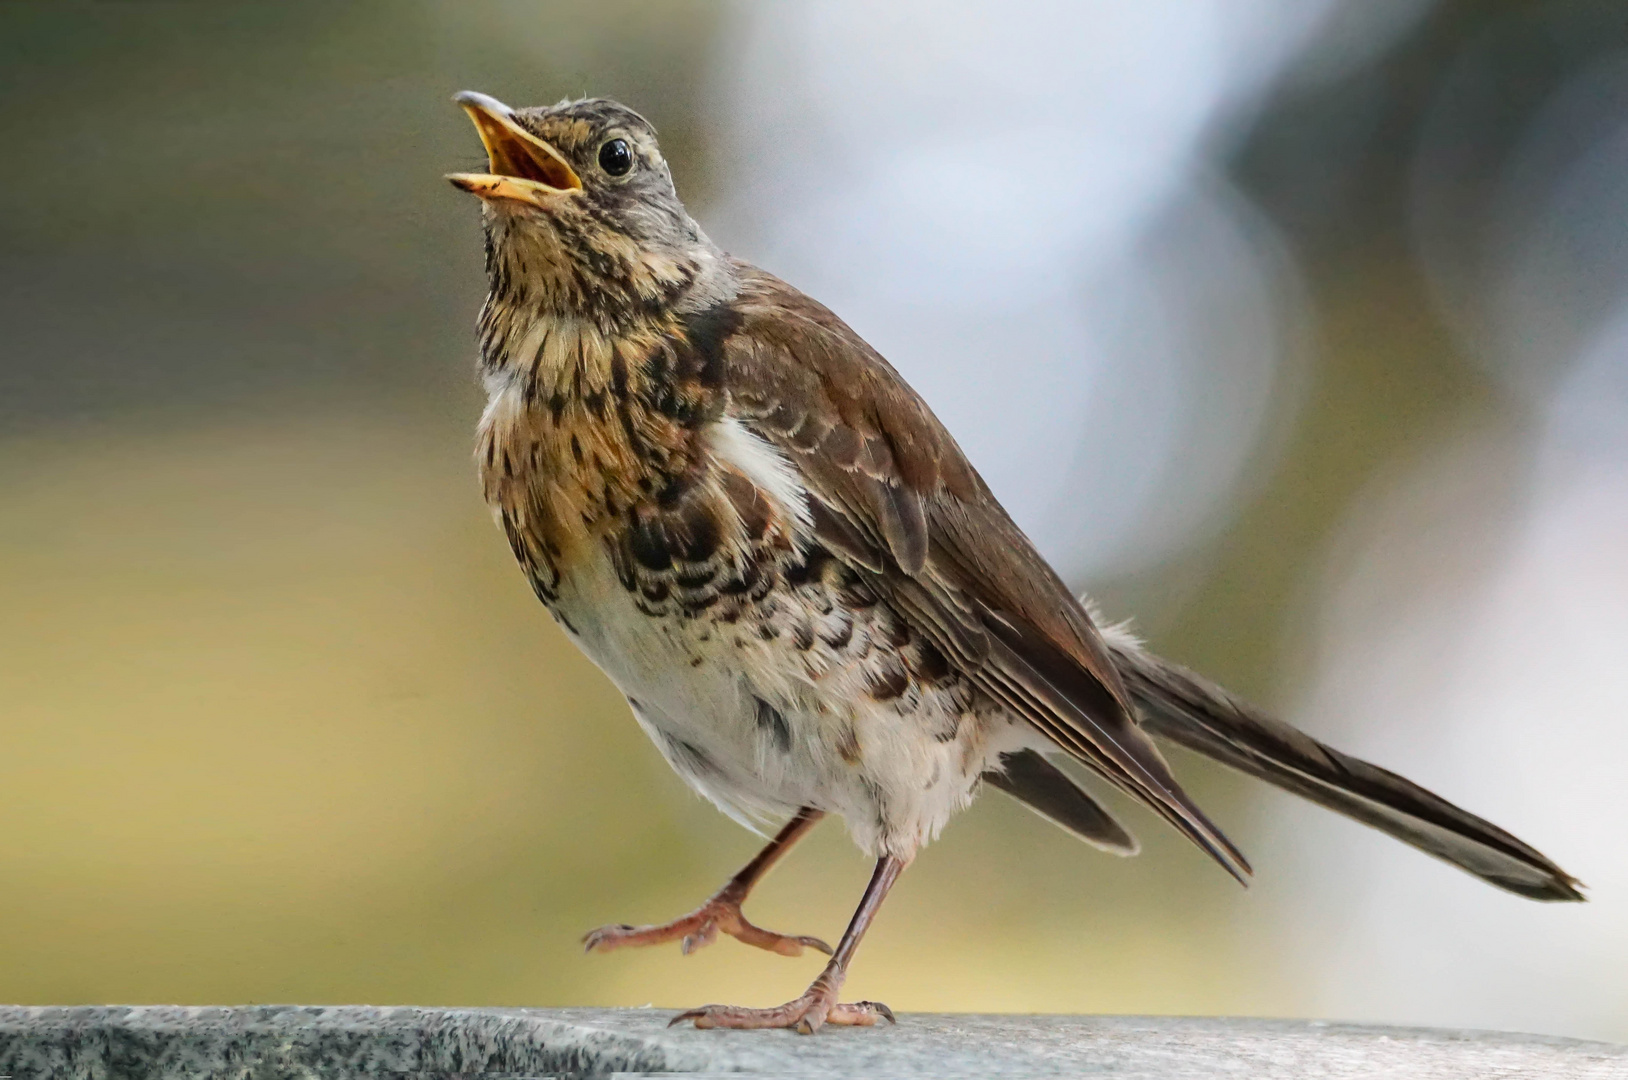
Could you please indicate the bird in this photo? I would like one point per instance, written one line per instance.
(813, 603)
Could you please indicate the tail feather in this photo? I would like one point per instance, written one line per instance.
(1044, 788)
(1184, 708)
(1070, 707)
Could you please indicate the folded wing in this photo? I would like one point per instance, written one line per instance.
(894, 497)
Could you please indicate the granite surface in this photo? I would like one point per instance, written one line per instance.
(288, 1042)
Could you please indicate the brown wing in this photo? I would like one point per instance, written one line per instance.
(893, 496)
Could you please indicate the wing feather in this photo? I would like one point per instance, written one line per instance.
(893, 496)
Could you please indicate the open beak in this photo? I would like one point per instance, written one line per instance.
(520, 166)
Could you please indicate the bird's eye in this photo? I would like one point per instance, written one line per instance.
(616, 157)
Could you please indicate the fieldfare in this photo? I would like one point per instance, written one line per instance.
(742, 514)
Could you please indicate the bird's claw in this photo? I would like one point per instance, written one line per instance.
(805, 1015)
(699, 929)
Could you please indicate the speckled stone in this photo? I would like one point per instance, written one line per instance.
(289, 1042)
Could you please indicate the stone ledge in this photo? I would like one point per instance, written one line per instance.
(289, 1042)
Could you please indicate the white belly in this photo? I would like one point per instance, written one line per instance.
(761, 727)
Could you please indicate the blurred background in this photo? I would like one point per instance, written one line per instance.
(1322, 305)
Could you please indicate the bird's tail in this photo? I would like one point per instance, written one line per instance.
(1186, 709)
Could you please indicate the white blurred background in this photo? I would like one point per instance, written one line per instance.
(1298, 331)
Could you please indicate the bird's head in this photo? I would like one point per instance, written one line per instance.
(581, 215)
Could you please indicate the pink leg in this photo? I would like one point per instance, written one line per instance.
(818, 1004)
(723, 912)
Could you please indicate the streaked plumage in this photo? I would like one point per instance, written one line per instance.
(748, 520)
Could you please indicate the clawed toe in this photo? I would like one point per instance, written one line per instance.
(784, 944)
(693, 931)
(699, 929)
(806, 1015)
(606, 937)
(860, 1014)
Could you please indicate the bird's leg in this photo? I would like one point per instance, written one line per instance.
(818, 1004)
(723, 911)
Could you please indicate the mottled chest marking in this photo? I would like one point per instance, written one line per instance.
(623, 451)
(619, 440)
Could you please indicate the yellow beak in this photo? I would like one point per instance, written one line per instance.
(520, 166)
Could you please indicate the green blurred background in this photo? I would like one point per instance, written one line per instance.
(280, 721)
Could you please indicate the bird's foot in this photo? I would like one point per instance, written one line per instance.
(700, 928)
(817, 1007)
